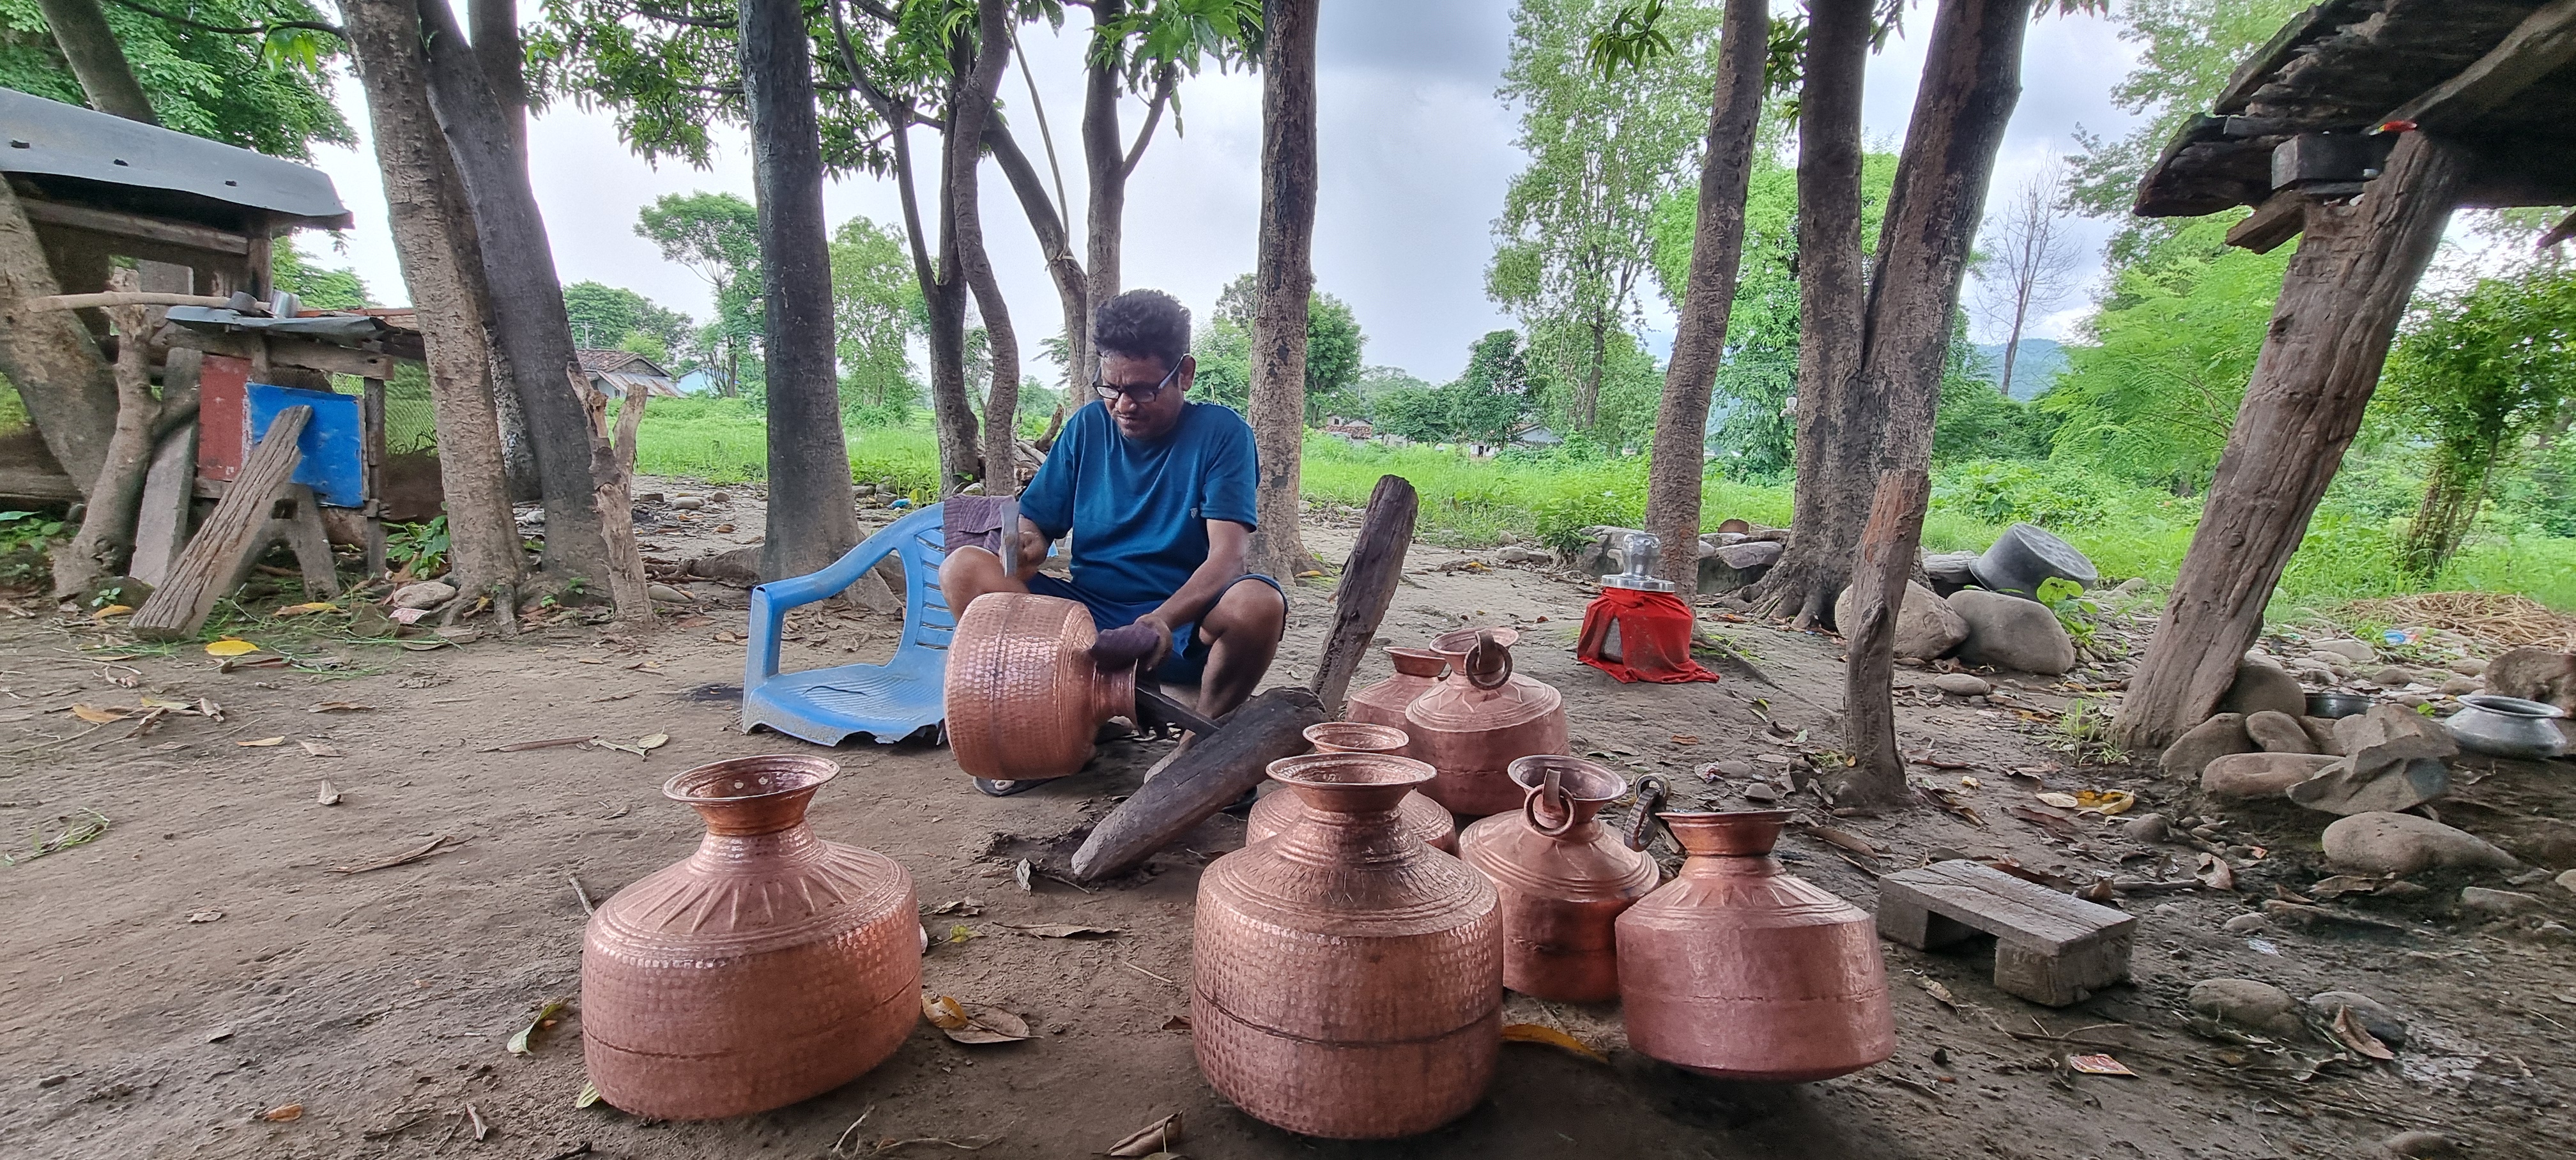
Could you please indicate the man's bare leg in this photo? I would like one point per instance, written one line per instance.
(971, 572)
(1243, 633)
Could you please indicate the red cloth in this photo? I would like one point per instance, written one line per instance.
(1654, 637)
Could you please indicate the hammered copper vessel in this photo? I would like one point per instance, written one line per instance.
(1474, 723)
(1741, 970)
(1024, 699)
(1563, 877)
(1348, 979)
(1416, 671)
(768, 967)
(1423, 817)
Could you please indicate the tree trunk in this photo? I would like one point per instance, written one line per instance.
(2341, 299)
(98, 63)
(1587, 401)
(505, 62)
(966, 128)
(503, 57)
(612, 463)
(1887, 549)
(527, 293)
(1104, 164)
(106, 537)
(1284, 279)
(1072, 289)
(1678, 464)
(500, 385)
(810, 516)
(66, 384)
(432, 234)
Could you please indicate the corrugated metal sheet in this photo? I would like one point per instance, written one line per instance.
(52, 138)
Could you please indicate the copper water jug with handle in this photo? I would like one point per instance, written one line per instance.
(1347, 980)
(1738, 969)
(1563, 877)
(1024, 700)
(1423, 817)
(1476, 721)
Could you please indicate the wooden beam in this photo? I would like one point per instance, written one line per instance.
(237, 530)
(2535, 48)
(123, 298)
(1367, 586)
(118, 223)
(281, 350)
(2250, 77)
(2276, 221)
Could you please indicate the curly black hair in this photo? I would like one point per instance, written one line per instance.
(1143, 324)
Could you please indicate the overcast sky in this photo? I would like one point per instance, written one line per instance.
(1416, 151)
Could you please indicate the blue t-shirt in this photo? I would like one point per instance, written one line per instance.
(1138, 510)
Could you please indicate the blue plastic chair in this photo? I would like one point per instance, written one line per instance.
(889, 702)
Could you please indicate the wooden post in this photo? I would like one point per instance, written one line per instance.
(2340, 301)
(1367, 586)
(1887, 546)
(1198, 781)
(371, 447)
(161, 525)
(611, 466)
(236, 530)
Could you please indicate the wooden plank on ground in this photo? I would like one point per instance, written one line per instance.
(236, 530)
(1999, 904)
(1367, 586)
(1207, 777)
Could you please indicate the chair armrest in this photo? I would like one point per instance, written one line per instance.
(770, 602)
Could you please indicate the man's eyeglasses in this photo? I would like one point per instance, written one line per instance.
(1138, 393)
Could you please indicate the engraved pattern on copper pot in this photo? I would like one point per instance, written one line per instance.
(769, 967)
(1563, 878)
(1024, 700)
(1481, 717)
(1737, 968)
(1423, 817)
(1347, 980)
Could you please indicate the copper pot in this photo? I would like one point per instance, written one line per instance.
(1423, 817)
(1024, 699)
(1348, 979)
(768, 967)
(1563, 877)
(1473, 724)
(1416, 671)
(1739, 969)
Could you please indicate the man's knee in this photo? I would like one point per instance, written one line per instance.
(1250, 607)
(972, 572)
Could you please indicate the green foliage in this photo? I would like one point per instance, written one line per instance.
(319, 288)
(613, 317)
(2066, 598)
(1486, 404)
(23, 540)
(2152, 398)
(2004, 492)
(1223, 349)
(717, 237)
(420, 549)
(876, 308)
(271, 93)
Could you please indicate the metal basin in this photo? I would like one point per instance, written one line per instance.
(2333, 705)
(2508, 727)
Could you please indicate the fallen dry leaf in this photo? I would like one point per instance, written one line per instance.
(261, 743)
(283, 1113)
(231, 647)
(1024, 873)
(549, 743)
(481, 1129)
(2101, 1065)
(1551, 1037)
(2348, 1029)
(307, 609)
(981, 1026)
(150, 702)
(653, 741)
(101, 714)
(206, 916)
(406, 615)
(328, 795)
(1057, 930)
(1685, 739)
(112, 611)
(1155, 1137)
(340, 707)
(546, 1017)
(1177, 1023)
(321, 749)
(961, 907)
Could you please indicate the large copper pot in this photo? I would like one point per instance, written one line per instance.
(768, 967)
(1416, 671)
(1473, 724)
(1739, 969)
(1563, 877)
(1348, 979)
(1423, 817)
(1024, 699)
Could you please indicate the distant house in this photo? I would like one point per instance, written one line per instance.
(615, 371)
(1538, 437)
(698, 382)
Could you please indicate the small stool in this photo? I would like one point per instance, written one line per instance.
(2050, 948)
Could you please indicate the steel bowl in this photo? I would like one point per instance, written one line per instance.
(2333, 705)
(2508, 727)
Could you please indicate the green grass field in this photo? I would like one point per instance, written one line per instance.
(1472, 502)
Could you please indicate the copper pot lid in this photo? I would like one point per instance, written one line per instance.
(1356, 737)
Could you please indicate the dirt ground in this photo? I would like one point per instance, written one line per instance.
(200, 962)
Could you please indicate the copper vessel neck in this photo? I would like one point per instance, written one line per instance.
(1727, 833)
(745, 797)
(1351, 802)
(1417, 662)
(1356, 737)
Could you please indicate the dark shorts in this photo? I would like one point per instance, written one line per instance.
(1188, 657)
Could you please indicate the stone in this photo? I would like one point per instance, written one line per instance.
(2008, 632)
(2206, 742)
(424, 594)
(2389, 733)
(2485, 903)
(1727, 567)
(2245, 922)
(2260, 775)
(865, 489)
(2535, 674)
(2468, 666)
(2392, 677)
(2320, 732)
(2566, 881)
(2278, 733)
(668, 594)
(1735, 768)
(2457, 686)
(2130, 587)
(2418, 1143)
(2382, 1023)
(1520, 555)
(2248, 1003)
(2403, 844)
(1961, 684)
(1948, 571)
(2355, 651)
(721, 497)
(2263, 688)
(2149, 829)
(688, 503)
(1925, 626)
(2356, 785)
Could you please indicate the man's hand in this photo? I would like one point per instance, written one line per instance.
(1147, 641)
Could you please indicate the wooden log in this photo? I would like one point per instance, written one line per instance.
(1201, 780)
(2274, 222)
(230, 537)
(612, 466)
(122, 298)
(371, 444)
(1887, 545)
(297, 519)
(1367, 586)
(2341, 299)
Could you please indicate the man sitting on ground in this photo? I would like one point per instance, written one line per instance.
(1158, 494)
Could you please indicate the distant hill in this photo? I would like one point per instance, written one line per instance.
(2034, 371)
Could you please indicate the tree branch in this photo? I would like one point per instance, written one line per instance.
(1153, 115)
(666, 16)
(244, 30)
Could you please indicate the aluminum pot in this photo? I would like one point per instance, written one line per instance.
(2331, 706)
(1383, 703)
(1347, 980)
(1478, 720)
(1740, 970)
(2508, 727)
(2027, 554)
(1024, 699)
(1423, 817)
(769, 967)
(1563, 877)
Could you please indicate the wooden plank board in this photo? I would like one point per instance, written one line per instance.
(2535, 48)
(161, 527)
(1367, 586)
(236, 530)
(2004, 906)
